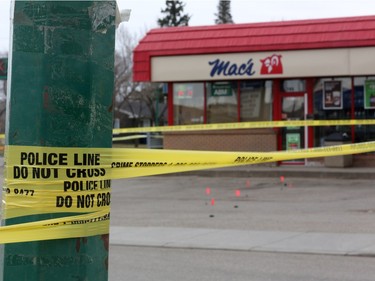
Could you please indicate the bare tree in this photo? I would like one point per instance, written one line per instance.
(3, 98)
(124, 87)
(134, 102)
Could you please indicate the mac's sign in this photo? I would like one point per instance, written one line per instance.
(268, 65)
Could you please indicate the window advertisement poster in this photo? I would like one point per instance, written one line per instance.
(293, 141)
(332, 95)
(369, 94)
(184, 91)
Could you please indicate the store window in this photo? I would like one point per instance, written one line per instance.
(188, 103)
(256, 101)
(332, 101)
(364, 107)
(222, 102)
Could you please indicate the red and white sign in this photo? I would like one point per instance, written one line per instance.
(271, 65)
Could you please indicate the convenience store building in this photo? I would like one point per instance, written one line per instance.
(291, 70)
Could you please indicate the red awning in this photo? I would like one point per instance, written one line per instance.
(253, 37)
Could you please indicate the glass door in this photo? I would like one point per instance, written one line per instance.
(292, 106)
(293, 137)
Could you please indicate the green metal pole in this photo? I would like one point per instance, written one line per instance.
(61, 84)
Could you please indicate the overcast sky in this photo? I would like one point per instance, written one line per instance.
(145, 13)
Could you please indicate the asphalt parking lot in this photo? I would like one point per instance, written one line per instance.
(269, 204)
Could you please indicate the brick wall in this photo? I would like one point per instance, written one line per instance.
(226, 140)
(364, 160)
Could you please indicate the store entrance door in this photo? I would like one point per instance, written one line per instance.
(293, 106)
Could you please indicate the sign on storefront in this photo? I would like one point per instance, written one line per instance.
(369, 94)
(333, 98)
(221, 90)
(293, 141)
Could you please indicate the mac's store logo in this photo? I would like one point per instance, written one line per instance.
(227, 68)
(271, 65)
(268, 66)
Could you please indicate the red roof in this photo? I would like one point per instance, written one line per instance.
(252, 37)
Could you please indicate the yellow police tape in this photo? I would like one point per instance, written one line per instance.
(247, 125)
(129, 137)
(40, 180)
(91, 224)
(236, 125)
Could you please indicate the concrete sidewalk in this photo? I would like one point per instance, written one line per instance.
(242, 240)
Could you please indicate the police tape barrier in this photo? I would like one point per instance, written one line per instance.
(129, 137)
(96, 223)
(236, 125)
(136, 137)
(247, 125)
(41, 180)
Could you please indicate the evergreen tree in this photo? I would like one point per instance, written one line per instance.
(174, 14)
(224, 15)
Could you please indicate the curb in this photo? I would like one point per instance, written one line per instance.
(343, 244)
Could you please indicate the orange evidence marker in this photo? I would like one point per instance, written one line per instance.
(208, 191)
(212, 202)
(282, 179)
